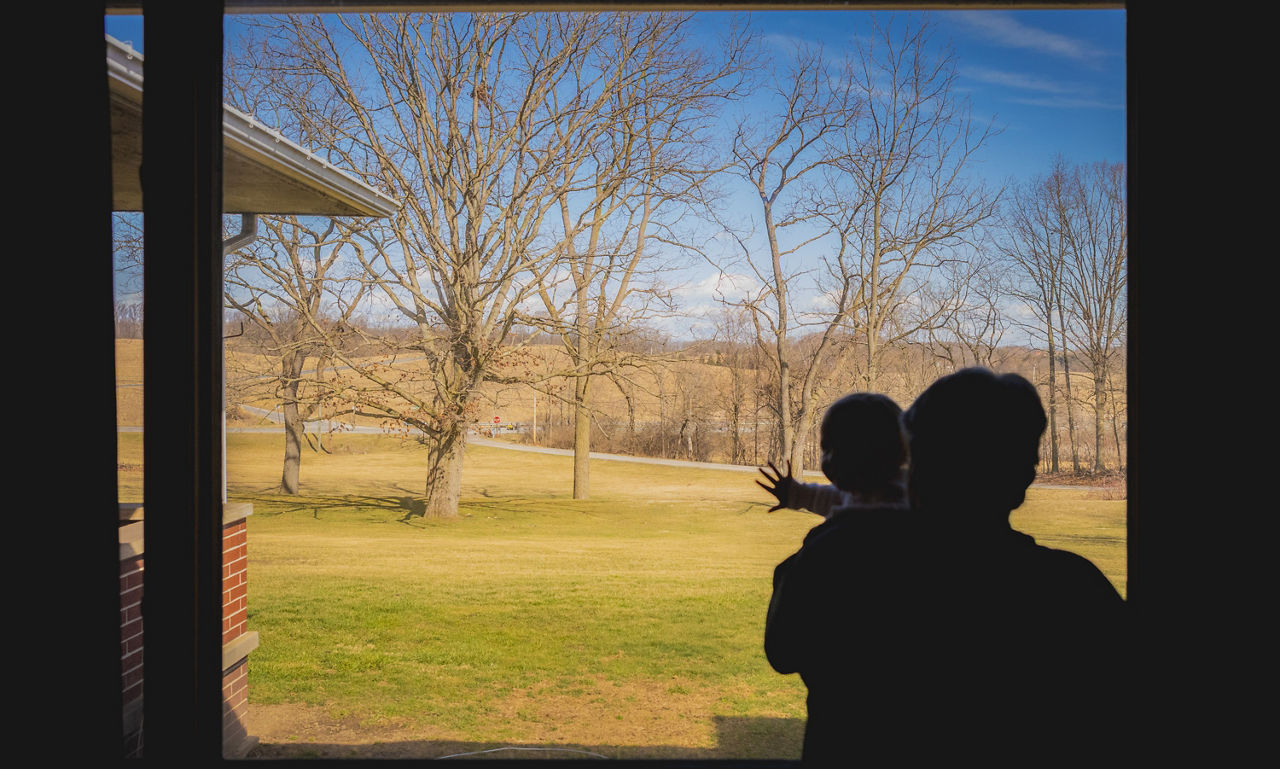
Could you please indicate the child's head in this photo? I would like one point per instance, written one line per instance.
(862, 444)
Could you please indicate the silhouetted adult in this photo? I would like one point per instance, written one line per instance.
(1028, 642)
(945, 632)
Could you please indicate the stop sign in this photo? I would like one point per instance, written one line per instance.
(496, 420)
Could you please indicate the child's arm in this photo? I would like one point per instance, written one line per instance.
(820, 498)
(814, 497)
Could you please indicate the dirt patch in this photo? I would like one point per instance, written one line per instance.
(674, 713)
(667, 719)
(288, 731)
(304, 731)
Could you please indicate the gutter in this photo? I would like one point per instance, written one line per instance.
(334, 191)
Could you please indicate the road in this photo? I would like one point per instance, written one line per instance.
(476, 440)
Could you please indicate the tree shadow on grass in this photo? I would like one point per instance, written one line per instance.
(410, 506)
(414, 508)
(756, 741)
(267, 504)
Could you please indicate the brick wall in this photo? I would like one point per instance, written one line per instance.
(131, 651)
(237, 639)
(235, 702)
(132, 569)
(235, 581)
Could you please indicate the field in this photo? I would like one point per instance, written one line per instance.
(627, 626)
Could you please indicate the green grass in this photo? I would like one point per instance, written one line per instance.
(630, 624)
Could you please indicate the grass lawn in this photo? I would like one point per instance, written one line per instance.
(629, 625)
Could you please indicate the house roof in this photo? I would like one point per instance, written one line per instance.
(263, 172)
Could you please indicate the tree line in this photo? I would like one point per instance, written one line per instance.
(554, 169)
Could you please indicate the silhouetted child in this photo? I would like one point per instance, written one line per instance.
(863, 453)
(808, 626)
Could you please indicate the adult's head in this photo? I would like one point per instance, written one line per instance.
(975, 441)
(862, 444)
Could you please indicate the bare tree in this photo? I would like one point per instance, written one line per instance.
(292, 282)
(740, 356)
(693, 413)
(877, 152)
(974, 322)
(128, 320)
(1116, 390)
(481, 124)
(1096, 229)
(126, 246)
(1034, 242)
(908, 207)
(1066, 234)
(780, 156)
(620, 204)
(285, 284)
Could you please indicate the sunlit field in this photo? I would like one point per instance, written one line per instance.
(627, 626)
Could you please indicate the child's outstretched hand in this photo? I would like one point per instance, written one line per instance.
(779, 485)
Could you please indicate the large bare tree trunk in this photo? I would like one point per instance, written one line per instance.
(444, 473)
(293, 430)
(294, 422)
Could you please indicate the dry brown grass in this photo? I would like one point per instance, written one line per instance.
(129, 382)
(654, 391)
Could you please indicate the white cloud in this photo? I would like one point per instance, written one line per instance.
(1049, 92)
(1018, 80)
(716, 286)
(823, 303)
(1069, 103)
(784, 43)
(1004, 29)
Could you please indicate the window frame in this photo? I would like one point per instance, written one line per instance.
(183, 450)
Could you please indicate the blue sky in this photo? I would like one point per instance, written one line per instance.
(1054, 79)
(1053, 82)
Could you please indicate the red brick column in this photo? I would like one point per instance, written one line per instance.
(131, 639)
(131, 573)
(237, 639)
